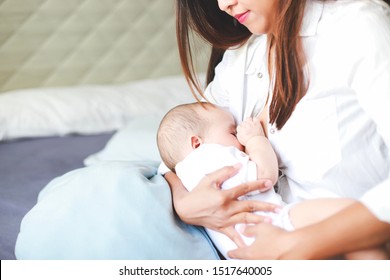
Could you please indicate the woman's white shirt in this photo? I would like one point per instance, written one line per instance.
(337, 141)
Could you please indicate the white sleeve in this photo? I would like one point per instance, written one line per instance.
(372, 78)
(377, 201)
(373, 86)
(163, 169)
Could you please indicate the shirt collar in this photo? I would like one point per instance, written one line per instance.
(311, 18)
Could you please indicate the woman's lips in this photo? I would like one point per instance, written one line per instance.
(242, 17)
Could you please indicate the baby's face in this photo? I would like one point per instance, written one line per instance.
(222, 129)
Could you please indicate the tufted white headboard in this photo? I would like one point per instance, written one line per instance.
(47, 43)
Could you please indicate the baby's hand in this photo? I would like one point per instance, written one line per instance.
(249, 128)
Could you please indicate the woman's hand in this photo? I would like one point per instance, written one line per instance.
(209, 206)
(319, 240)
(271, 243)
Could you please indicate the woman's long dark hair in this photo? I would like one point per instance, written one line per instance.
(218, 28)
(289, 60)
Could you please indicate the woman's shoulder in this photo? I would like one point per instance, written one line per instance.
(356, 20)
(359, 12)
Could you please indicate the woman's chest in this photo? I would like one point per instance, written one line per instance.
(330, 140)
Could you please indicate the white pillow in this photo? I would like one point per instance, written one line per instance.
(136, 141)
(86, 109)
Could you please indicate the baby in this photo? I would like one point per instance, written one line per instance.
(198, 138)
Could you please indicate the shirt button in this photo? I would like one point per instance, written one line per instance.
(272, 130)
(259, 75)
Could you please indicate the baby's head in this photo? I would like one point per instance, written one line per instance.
(187, 126)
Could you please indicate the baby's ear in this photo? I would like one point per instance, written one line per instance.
(196, 141)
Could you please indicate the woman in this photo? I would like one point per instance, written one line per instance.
(319, 74)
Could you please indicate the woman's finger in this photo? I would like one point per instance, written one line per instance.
(248, 218)
(261, 185)
(240, 253)
(232, 233)
(219, 176)
(249, 230)
(246, 251)
(270, 243)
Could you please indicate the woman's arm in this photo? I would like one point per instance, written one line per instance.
(352, 229)
(209, 206)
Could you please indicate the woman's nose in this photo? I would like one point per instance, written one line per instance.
(224, 5)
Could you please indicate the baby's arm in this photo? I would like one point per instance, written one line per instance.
(251, 135)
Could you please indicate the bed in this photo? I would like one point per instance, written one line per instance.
(83, 86)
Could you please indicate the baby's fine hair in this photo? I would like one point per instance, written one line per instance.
(175, 128)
